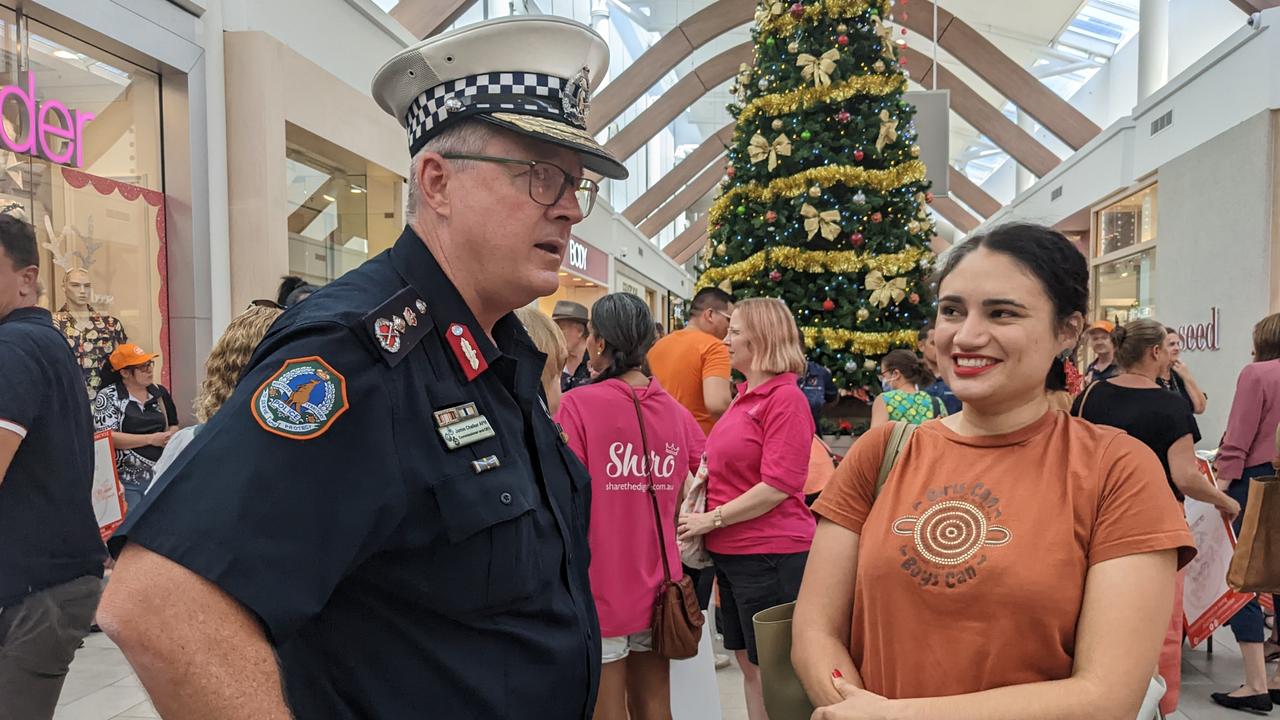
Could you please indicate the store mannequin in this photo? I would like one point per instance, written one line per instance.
(91, 335)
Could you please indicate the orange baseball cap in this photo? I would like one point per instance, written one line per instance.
(129, 355)
(1104, 325)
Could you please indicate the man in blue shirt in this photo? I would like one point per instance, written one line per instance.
(819, 389)
(938, 388)
(50, 551)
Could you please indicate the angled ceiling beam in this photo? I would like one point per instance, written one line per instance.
(425, 18)
(1007, 77)
(680, 42)
(677, 99)
(692, 250)
(688, 242)
(683, 200)
(956, 215)
(683, 172)
(984, 117)
(972, 195)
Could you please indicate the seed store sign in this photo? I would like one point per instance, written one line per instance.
(45, 128)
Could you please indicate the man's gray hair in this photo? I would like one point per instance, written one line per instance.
(468, 137)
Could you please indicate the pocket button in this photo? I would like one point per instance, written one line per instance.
(505, 498)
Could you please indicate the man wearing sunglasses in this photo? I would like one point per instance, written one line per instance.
(383, 521)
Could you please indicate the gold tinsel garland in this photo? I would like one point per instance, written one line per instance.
(825, 176)
(814, 261)
(794, 100)
(862, 343)
(785, 23)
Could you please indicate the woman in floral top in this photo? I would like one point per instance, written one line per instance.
(140, 415)
(904, 377)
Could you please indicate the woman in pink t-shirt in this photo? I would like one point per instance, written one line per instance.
(627, 568)
(757, 525)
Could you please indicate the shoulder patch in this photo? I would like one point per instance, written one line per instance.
(398, 324)
(301, 400)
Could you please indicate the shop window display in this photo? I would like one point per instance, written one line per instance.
(1125, 288)
(80, 152)
(1128, 222)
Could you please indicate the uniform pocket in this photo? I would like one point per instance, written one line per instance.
(490, 560)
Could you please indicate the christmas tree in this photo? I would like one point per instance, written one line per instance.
(824, 204)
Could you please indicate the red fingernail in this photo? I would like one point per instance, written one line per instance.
(836, 673)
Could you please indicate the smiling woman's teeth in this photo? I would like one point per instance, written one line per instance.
(974, 362)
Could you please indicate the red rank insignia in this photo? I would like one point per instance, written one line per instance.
(465, 351)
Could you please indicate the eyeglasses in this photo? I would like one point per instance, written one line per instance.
(548, 182)
(722, 314)
(266, 304)
(146, 366)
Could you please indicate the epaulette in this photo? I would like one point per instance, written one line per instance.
(398, 324)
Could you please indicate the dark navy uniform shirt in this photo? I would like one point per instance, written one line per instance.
(48, 532)
(395, 577)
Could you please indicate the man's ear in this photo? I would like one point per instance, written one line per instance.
(30, 281)
(435, 176)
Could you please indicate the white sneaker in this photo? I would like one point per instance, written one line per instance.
(722, 661)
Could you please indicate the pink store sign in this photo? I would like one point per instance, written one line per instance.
(45, 123)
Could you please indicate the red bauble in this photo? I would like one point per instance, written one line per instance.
(902, 61)
(770, 216)
(844, 117)
(843, 40)
(828, 305)
(797, 11)
(904, 31)
(876, 217)
(928, 197)
(856, 239)
(775, 276)
(914, 298)
(729, 171)
(904, 16)
(858, 155)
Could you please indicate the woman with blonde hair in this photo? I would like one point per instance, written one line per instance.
(550, 341)
(757, 524)
(221, 373)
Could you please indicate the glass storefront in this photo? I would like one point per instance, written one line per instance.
(1124, 288)
(1124, 260)
(342, 209)
(81, 153)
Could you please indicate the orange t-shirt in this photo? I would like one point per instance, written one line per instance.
(972, 561)
(681, 360)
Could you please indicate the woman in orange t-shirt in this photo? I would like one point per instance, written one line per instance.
(1018, 562)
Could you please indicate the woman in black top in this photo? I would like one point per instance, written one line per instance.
(1178, 379)
(1133, 401)
(140, 415)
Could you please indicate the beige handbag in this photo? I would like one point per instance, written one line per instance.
(693, 550)
(784, 696)
(1255, 566)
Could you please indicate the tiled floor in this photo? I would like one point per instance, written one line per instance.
(103, 687)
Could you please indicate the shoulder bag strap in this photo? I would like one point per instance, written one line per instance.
(647, 463)
(898, 438)
(1085, 398)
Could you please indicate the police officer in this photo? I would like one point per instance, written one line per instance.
(50, 551)
(383, 521)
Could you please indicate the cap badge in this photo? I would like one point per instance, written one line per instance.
(388, 335)
(575, 99)
(452, 103)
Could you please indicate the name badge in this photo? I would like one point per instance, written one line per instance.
(466, 432)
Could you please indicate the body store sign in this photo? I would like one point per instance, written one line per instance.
(45, 128)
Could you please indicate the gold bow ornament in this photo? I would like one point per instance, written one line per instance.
(885, 32)
(827, 222)
(888, 131)
(818, 68)
(885, 291)
(726, 285)
(759, 149)
(772, 11)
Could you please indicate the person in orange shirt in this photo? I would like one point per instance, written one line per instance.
(693, 364)
(1017, 562)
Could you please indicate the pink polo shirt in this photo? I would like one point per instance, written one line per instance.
(626, 569)
(764, 436)
(1251, 428)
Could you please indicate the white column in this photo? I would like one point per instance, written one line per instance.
(1153, 46)
(1024, 177)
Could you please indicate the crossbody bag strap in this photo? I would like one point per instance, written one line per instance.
(647, 463)
(898, 438)
(1085, 397)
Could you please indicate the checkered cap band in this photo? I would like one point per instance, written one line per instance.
(513, 92)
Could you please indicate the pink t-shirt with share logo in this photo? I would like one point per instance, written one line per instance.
(626, 569)
(764, 436)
